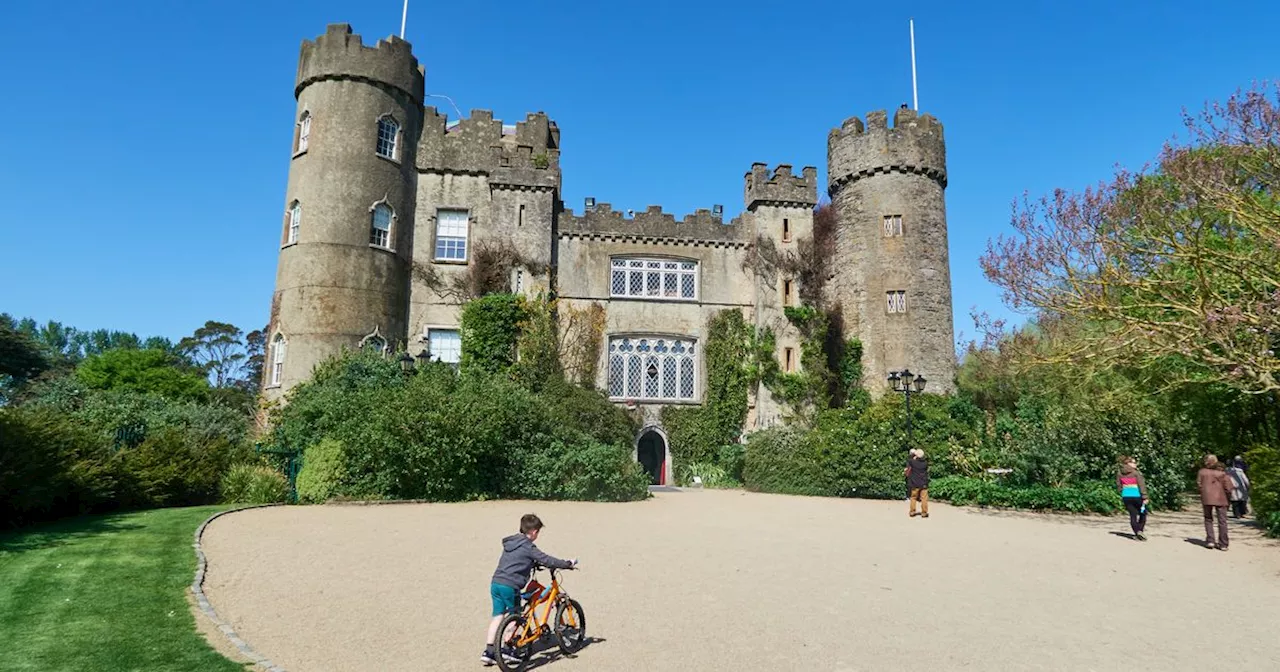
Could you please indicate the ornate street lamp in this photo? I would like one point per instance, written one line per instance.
(424, 357)
(906, 382)
(406, 363)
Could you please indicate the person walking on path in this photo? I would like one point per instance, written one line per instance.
(917, 474)
(1239, 488)
(1214, 488)
(1133, 491)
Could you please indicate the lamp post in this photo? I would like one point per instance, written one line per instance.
(906, 382)
(406, 363)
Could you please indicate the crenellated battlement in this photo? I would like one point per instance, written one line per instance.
(341, 54)
(653, 224)
(914, 144)
(781, 188)
(527, 155)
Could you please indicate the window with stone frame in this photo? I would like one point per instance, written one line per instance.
(786, 230)
(278, 347)
(654, 279)
(444, 345)
(388, 137)
(380, 219)
(788, 360)
(892, 226)
(292, 222)
(658, 369)
(303, 133)
(452, 227)
(896, 301)
(786, 292)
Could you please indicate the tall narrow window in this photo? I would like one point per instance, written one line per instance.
(451, 235)
(388, 137)
(380, 225)
(304, 133)
(294, 219)
(786, 292)
(788, 360)
(896, 301)
(518, 284)
(445, 345)
(786, 230)
(892, 225)
(520, 216)
(277, 359)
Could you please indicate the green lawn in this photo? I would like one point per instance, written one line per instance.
(103, 593)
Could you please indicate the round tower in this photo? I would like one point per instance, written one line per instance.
(892, 275)
(346, 238)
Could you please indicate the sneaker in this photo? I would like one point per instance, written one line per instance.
(1222, 547)
(924, 515)
(1210, 545)
(1141, 536)
(487, 658)
(509, 655)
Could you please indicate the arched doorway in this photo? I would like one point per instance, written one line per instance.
(651, 452)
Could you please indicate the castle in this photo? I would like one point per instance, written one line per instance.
(388, 202)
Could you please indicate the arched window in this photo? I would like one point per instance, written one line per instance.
(304, 133)
(374, 341)
(388, 137)
(278, 346)
(652, 369)
(380, 225)
(293, 222)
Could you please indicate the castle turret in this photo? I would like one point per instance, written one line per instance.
(891, 274)
(347, 237)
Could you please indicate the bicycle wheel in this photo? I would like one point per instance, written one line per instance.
(520, 654)
(571, 626)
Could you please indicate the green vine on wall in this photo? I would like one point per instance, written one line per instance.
(488, 272)
(731, 355)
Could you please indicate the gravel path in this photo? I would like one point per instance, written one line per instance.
(725, 580)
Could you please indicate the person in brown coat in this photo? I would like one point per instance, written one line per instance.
(1215, 488)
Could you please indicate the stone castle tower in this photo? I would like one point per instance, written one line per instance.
(893, 277)
(388, 201)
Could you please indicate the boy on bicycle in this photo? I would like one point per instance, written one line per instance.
(519, 555)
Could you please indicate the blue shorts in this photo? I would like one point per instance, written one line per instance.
(506, 600)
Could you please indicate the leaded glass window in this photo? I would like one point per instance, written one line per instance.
(652, 369)
(657, 279)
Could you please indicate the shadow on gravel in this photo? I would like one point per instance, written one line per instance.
(546, 651)
(1126, 535)
(1197, 542)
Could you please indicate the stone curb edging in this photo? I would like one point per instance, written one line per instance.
(197, 588)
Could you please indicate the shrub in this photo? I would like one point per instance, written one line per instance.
(780, 460)
(732, 459)
(1264, 482)
(1093, 497)
(584, 471)
(445, 437)
(324, 466)
(50, 467)
(254, 484)
(170, 468)
(709, 475)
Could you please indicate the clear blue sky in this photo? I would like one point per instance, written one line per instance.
(144, 144)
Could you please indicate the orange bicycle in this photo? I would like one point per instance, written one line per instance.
(520, 632)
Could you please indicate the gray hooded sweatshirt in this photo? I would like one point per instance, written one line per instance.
(518, 557)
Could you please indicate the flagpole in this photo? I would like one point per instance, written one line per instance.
(915, 97)
(405, 15)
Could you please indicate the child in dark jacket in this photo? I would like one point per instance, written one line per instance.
(519, 555)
